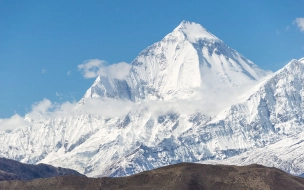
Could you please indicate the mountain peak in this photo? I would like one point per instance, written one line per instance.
(194, 31)
(183, 63)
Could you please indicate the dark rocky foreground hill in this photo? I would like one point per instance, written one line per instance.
(13, 170)
(180, 176)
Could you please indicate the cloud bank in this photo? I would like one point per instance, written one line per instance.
(94, 67)
(45, 110)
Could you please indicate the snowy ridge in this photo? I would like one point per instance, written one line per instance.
(194, 32)
(184, 63)
(105, 86)
(284, 107)
(183, 97)
(268, 127)
(285, 154)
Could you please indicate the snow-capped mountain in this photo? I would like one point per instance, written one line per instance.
(184, 101)
(283, 113)
(187, 62)
(267, 127)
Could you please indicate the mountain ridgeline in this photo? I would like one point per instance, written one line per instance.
(13, 170)
(181, 176)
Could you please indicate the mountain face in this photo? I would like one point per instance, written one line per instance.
(13, 170)
(185, 106)
(282, 115)
(186, 63)
(180, 176)
(266, 128)
(285, 154)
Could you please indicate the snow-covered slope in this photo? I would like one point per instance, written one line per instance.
(268, 127)
(189, 61)
(175, 88)
(283, 111)
(286, 154)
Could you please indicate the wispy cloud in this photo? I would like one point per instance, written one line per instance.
(300, 23)
(287, 28)
(94, 67)
(69, 72)
(58, 94)
(43, 71)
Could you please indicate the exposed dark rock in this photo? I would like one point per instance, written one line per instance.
(177, 177)
(11, 170)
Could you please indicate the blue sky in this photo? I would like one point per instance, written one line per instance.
(43, 42)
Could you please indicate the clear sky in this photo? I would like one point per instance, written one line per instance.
(43, 42)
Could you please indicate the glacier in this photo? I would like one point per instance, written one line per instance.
(187, 98)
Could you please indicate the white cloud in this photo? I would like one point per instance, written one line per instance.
(43, 71)
(42, 106)
(118, 70)
(44, 110)
(12, 123)
(300, 23)
(206, 102)
(106, 107)
(94, 67)
(69, 72)
(41, 111)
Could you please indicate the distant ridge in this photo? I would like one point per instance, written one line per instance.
(13, 170)
(178, 177)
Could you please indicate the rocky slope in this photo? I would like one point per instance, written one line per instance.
(13, 170)
(181, 176)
